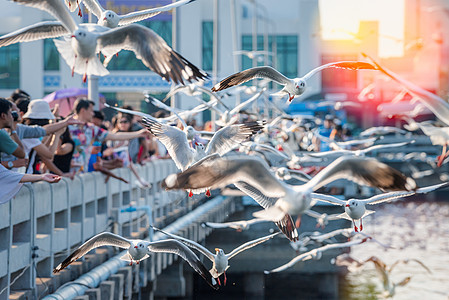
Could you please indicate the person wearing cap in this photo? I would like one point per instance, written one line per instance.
(86, 135)
(38, 110)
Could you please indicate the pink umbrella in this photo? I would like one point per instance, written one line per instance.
(66, 97)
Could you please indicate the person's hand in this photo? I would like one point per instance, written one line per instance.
(21, 162)
(55, 110)
(51, 178)
(70, 120)
(108, 151)
(143, 133)
(70, 175)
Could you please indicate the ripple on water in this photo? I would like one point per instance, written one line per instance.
(418, 230)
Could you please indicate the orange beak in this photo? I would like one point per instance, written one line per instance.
(216, 249)
(104, 19)
(347, 205)
(135, 247)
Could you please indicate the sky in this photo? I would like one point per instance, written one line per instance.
(338, 16)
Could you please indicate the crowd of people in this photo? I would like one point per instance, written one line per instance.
(37, 144)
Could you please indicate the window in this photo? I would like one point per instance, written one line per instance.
(51, 56)
(286, 48)
(10, 67)
(127, 61)
(208, 39)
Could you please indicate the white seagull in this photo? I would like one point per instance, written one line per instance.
(220, 259)
(279, 199)
(355, 209)
(292, 87)
(316, 254)
(109, 18)
(258, 55)
(322, 219)
(80, 52)
(139, 250)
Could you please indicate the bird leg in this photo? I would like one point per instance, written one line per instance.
(290, 97)
(361, 225)
(224, 283)
(137, 262)
(298, 221)
(355, 227)
(190, 194)
(218, 280)
(73, 67)
(443, 155)
(208, 193)
(85, 74)
(79, 9)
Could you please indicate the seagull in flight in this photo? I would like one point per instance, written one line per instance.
(355, 209)
(220, 259)
(139, 250)
(80, 50)
(281, 200)
(292, 87)
(109, 18)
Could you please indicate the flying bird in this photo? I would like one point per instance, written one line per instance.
(80, 50)
(139, 250)
(292, 87)
(220, 259)
(355, 209)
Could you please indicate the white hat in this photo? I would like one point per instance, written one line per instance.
(38, 109)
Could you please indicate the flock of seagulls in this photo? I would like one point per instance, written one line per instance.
(259, 157)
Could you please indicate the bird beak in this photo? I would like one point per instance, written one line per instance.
(73, 36)
(135, 247)
(347, 205)
(104, 19)
(216, 249)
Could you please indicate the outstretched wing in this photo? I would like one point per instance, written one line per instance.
(349, 65)
(230, 136)
(102, 239)
(54, 7)
(148, 13)
(366, 171)
(250, 244)
(178, 248)
(38, 31)
(249, 74)
(174, 140)
(152, 50)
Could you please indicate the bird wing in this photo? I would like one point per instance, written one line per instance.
(162, 105)
(250, 244)
(239, 107)
(174, 139)
(366, 171)
(228, 137)
(383, 146)
(38, 31)
(234, 225)
(433, 102)
(148, 13)
(406, 261)
(309, 255)
(328, 199)
(349, 65)
(132, 112)
(212, 95)
(386, 197)
(249, 74)
(178, 248)
(189, 243)
(54, 7)
(312, 214)
(174, 91)
(94, 7)
(152, 50)
(217, 173)
(102, 239)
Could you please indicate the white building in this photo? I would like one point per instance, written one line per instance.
(293, 34)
